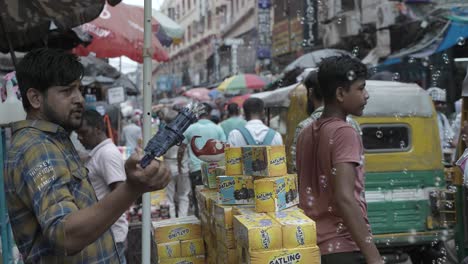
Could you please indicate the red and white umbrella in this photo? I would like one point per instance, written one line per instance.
(118, 31)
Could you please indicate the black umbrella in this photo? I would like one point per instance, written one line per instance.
(25, 24)
(312, 59)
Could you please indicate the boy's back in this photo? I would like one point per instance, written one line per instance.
(326, 143)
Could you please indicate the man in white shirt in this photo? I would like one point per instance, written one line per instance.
(106, 168)
(255, 132)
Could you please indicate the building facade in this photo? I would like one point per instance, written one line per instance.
(222, 37)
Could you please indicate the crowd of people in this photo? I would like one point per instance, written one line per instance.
(67, 207)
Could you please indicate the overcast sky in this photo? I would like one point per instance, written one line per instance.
(127, 64)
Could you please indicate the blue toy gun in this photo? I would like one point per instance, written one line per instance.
(171, 134)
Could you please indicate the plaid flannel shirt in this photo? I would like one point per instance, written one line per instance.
(46, 181)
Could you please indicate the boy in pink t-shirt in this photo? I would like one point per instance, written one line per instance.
(330, 162)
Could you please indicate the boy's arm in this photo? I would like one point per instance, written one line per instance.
(350, 211)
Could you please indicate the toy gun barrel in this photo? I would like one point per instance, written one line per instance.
(170, 134)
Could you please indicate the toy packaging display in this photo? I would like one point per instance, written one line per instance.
(191, 248)
(169, 250)
(268, 161)
(233, 157)
(308, 255)
(298, 229)
(223, 215)
(257, 232)
(203, 197)
(227, 255)
(235, 190)
(275, 193)
(209, 172)
(225, 237)
(171, 230)
(184, 260)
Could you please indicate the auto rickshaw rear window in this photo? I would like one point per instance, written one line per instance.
(386, 138)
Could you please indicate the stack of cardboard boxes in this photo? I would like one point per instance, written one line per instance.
(179, 241)
(251, 216)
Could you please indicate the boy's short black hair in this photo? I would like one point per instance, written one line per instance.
(339, 71)
(252, 106)
(233, 109)
(207, 110)
(94, 119)
(43, 68)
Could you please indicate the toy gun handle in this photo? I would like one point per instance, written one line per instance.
(169, 135)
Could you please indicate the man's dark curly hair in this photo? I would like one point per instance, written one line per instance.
(339, 71)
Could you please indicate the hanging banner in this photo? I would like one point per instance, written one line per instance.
(264, 30)
(310, 23)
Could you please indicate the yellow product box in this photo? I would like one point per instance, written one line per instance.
(257, 232)
(209, 173)
(298, 229)
(169, 250)
(203, 196)
(308, 255)
(276, 193)
(235, 190)
(157, 197)
(184, 260)
(233, 157)
(184, 228)
(243, 209)
(205, 226)
(227, 255)
(190, 248)
(225, 237)
(223, 215)
(267, 161)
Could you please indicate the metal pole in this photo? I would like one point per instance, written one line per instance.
(147, 57)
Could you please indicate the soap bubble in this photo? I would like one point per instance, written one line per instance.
(331, 141)
(330, 209)
(340, 227)
(369, 239)
(309, 190)
(411, 60)
(396, 76)
(333, 171)
(461, 41)
(355, 51)
(351, 75)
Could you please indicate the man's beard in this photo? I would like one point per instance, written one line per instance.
(66, 123)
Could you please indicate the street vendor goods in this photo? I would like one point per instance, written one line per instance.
(184, 260)
(209, 171)
(169, 250)
(308, 255)
(275, 193)
(233, 156)
(264, 160)
(235, 190)
(298, 229)
(257, 232)
(170, 230)
(193, 247)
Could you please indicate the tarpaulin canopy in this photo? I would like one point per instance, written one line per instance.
(454, 33)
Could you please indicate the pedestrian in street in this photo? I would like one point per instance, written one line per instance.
(446, 133)
(53, 209)
(234, 120)
(206, 129)
(330, 166)
(106, 169)
(255, 132)
(315, 102)
(131, 133)
(179, 187)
